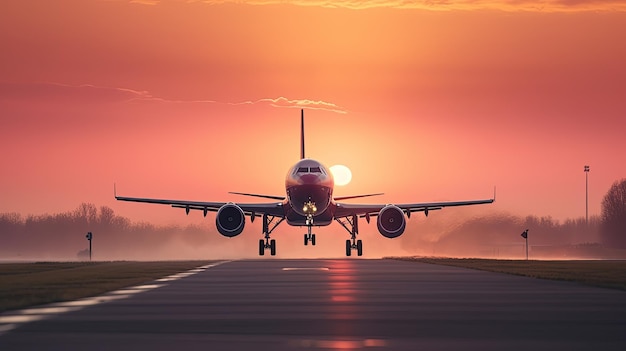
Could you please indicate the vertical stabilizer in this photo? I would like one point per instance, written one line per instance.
(302, 134)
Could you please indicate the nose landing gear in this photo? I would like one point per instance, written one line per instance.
(309, 236)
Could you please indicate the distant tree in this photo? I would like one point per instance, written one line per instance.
(106, 216)
(614, 215)
(86, 212)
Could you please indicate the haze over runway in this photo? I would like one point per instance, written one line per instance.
(340, 304)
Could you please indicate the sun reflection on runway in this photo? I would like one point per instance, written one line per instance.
(340, 344)
(344, 293)
(342, 286)
(341, 291)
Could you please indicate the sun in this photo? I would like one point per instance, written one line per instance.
(342, 174)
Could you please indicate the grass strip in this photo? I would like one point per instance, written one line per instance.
(607, 274)
(28, 284)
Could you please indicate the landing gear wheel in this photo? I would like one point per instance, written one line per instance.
(306, 240)
(261, 247)
(273, 247)
(348, 248)
(359, 248)
(313, 239)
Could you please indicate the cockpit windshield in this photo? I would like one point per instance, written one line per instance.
(309, 170)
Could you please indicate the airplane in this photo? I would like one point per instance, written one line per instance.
(308, 202)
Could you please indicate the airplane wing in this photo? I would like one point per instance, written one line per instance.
(346, 209)
(270, 208)
(273, 197)
(355, 196)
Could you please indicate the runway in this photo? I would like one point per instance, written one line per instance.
(339, 304)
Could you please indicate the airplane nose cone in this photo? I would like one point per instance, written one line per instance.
(309, 178)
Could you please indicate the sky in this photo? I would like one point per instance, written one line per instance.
(423, 100)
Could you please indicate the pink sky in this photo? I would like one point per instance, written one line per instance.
(190, 100)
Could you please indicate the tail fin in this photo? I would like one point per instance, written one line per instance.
(302, 134)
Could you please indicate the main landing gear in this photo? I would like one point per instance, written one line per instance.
(267, 244)
(352, 243)
(309, 236)
(269, 224)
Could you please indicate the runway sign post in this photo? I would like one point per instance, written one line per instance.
(524, 235)
(89, 236)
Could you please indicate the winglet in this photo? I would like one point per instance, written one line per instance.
(301, 133)
(114, 191)
(494, 193)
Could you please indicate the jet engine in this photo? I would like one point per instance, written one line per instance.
(391, 221)
(230, 220)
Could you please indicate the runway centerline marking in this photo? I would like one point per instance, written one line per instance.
(306, 269)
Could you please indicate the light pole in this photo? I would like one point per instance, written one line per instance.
(587, 195)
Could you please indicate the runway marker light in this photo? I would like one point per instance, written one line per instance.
(89, 236)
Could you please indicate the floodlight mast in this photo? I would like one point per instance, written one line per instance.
(587, 195)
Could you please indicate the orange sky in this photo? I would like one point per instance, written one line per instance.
(191, 100)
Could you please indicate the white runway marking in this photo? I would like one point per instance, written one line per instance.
(12, 319)
(6, 327)
(21, 318)
(306, 269)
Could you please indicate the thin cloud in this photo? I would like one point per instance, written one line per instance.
(449, 5)
(430, 5)
(145, 2)
(93, 93)
(282, 102)
(56, 91)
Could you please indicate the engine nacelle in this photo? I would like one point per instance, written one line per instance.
(391, 221)
(230, 220)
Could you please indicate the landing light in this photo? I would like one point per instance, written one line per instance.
(309, 207)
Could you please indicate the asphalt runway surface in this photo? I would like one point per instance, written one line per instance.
(335, 304)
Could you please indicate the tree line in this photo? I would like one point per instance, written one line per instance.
(499, 235)
(62, 235)
(614, 215)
